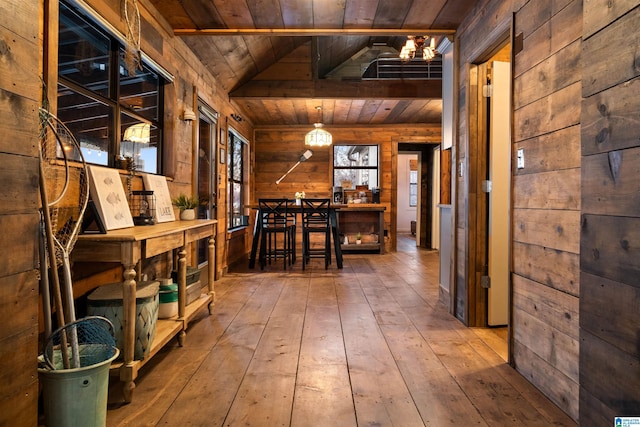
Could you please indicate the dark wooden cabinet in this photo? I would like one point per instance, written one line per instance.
(366, 219)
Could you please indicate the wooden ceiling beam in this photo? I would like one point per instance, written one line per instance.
(309, 32)
(337, 89)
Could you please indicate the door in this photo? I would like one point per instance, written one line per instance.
(408, 194)
(206, 171)
(499, 146)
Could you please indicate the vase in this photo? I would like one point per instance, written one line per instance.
(187, 214)
(298, 202)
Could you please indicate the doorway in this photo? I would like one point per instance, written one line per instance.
(489, 261)
(205, 174)
(486, 300)
(408, 195)
(427, 189)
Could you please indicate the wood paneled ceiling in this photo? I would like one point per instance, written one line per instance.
(280, 59)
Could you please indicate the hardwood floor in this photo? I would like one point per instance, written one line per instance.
(368, 345)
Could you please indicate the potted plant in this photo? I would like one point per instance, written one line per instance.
(187, 206)
(358, 238)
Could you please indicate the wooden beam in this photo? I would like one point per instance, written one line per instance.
(366, 89)
(308, 32)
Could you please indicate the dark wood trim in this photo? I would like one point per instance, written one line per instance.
(310, 32)
(405, 89)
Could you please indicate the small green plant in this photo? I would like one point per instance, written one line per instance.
(185, 202)
(359, 236)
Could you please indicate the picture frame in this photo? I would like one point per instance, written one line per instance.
(222, 135)
(107, 193)
(222, 156)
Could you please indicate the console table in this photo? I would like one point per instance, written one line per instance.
(129, 246)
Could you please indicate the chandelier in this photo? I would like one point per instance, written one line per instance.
(318, 137)
(416, 46)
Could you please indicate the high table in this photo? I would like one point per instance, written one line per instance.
(129, 246)
(257, 231)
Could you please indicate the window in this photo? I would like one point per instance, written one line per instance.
(112, 114)
(235, 174)
(357, 164)
(413, 188)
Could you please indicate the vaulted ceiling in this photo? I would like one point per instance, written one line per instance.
(280, 59)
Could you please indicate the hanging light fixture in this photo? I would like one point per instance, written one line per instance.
(416, 46)
(139, 133)
(318, 137)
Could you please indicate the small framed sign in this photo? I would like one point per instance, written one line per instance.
(164, 208)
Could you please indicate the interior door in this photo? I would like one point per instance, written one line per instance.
(206, 171)
(499, 194)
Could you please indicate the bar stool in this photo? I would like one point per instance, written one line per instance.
(315, 220)
(292, 225)
(275, 231)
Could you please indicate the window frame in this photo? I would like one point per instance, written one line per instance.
(335, 167)
(236, 220)
(110, 99)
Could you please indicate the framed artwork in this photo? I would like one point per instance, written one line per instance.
(107, 193)
(221, 136)
(164, 207)
(222, 155)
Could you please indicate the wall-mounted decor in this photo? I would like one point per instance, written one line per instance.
(222, 155)
(164, 208)
(109, 197)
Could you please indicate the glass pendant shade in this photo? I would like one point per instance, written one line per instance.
(139, 133)
(318, 137)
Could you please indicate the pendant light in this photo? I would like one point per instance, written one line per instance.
(318, 137)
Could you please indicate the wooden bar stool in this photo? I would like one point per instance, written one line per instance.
(275, 231)
(315, 221)
(292, 225)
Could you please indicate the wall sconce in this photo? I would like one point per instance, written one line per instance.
(188, 115)
(236, 117)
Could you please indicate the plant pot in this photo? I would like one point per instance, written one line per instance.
(358, 242)
(298, 202)
(188, 214)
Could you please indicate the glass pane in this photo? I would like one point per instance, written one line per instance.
(368, 177)
(139, 92)
(139, 142)
(83, 52)
(88, 120)
(236, 159)
(355, 155)
(236, 204)
(413, 195)
(205, 130)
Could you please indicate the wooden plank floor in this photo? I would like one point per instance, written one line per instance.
(368, 345)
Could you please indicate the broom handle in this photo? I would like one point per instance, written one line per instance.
(44, 282)
(53, 263)
(287, 173)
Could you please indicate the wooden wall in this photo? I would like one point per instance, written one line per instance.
(610, 245)
(279, 148)
(20, 72)
(21, 68)
(546, 193)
